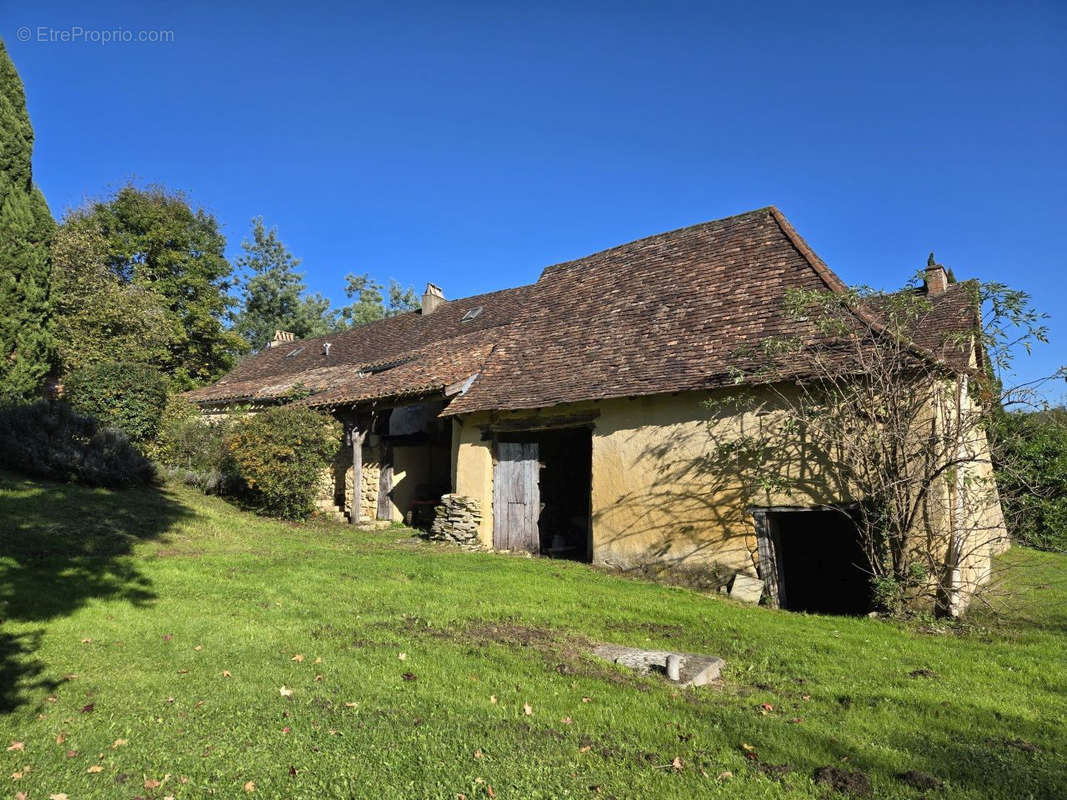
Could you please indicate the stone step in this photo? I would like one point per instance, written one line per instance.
(686, 669)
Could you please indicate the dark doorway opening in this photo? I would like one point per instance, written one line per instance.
(821, 566)
(564, 466)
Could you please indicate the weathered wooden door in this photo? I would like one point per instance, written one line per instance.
(516, 497)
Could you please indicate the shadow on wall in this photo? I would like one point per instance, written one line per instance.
(683, 511)
(60, 547)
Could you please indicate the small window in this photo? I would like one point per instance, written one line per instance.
(474, 312)
(296, 352)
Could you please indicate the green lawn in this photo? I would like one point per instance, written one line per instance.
(154, 636)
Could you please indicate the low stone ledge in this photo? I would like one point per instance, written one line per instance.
(686, 669)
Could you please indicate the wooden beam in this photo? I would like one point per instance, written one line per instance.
(540, 423)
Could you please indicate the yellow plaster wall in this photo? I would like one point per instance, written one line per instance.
(472, 473)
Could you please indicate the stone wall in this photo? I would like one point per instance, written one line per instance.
(333, 494)
(456, 521)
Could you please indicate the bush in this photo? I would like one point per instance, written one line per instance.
(1031, 455)
(51, 440)
(188, 440)
(279, 455)
(130, 397)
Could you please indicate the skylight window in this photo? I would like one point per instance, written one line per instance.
(474, 312)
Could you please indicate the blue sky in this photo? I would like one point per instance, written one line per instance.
(476, 143)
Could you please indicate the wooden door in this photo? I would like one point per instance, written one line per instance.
(516, 497)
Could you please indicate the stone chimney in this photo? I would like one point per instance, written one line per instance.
(281, 337)
(936, 277)
(432, 298)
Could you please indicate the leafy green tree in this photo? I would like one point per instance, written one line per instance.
(370, 305)
(155, 240)
(274, 292)
(1030, 453)
(97, 316)
(26, 228)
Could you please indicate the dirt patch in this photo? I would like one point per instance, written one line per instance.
(922, 673)
(856, 784)
(174, 552)
(920, 780)
(1022, 744)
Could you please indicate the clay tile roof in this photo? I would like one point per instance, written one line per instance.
(662, 314)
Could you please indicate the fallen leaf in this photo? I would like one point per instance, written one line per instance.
(318, 676)
(95, 768)
(747, 747)
(318, 660)
(119, 743)
(167, 637)
(17, 776)
(287, 729)
(585, 748)
(297, 657)
(408, 676)
(198, 703)
(587, 699)
(87, 641)
(21, 796)
(402, 656)
(332, 732)
(796, 720)
(60, 796)
(198, 648)
(151, 783)
(72, 754)
(805, 697)
(52, 698)
(479, 754)
(724, 776)
(767, 707)
(285, 692)
(250, 787)
(567, 721)
(183, 672)
(226, 673)
(527, 709)
(292, 771)
(351, 705)
(69, 676)
(16, 746)
(60, 739)
(492, 699)
(170, 699)
(677, 764)
(489, 789)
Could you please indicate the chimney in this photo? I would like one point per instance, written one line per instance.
(432, 298)
(936, 277)
(281, 337)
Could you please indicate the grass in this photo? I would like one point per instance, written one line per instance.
(150, 634)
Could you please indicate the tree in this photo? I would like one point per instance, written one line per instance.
(97, 316)
(855, 409)
(370, 305)
(26, 228)
(1030, 453)
(122, 395)
(155, 240)
(273, 292)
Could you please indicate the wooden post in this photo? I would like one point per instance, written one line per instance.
(357, 471)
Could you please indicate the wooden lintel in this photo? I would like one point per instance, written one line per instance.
(540, 423)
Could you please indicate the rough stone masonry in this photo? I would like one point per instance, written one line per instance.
(456, 520)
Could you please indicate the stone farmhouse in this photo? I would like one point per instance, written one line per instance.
(557, 418)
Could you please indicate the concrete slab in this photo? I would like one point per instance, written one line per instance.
(694, 669)
(746, 588)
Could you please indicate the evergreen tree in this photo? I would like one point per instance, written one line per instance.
(273, 292)
(156, 241)
(26, 228)
(370, 305)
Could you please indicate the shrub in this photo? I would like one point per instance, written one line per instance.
(130, 397)
(51, 440)
(279, 455)
(1031, 455)
(188, 440)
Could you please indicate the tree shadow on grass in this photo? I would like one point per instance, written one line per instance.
(62, 546)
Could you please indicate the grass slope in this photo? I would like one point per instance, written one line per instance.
(147, 636)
